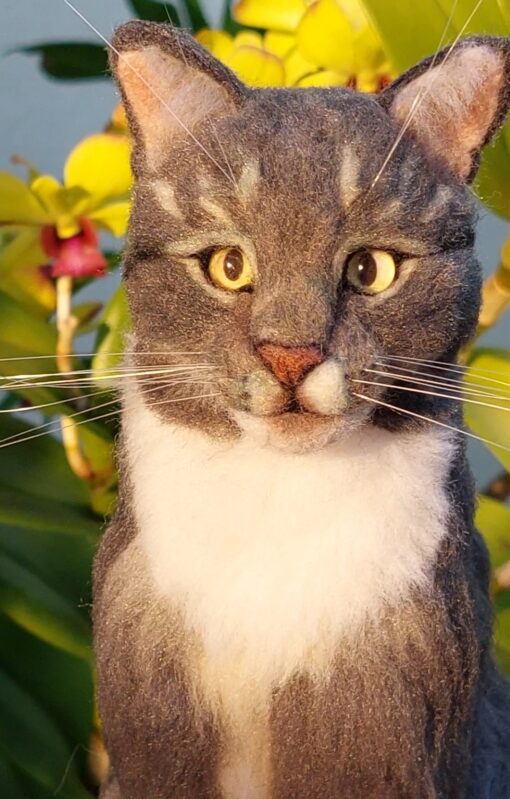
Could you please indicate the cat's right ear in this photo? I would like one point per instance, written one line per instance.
(169, 84)
(454, 102)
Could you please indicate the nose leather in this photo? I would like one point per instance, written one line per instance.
(289, 364)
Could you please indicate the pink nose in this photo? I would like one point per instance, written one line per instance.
(289, 364)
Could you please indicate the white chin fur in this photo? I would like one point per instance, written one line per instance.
(267, 431)
(271, 551)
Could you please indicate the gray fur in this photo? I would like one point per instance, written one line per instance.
(416, 710)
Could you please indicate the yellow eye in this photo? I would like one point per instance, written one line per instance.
(371, 271)
(230, 269)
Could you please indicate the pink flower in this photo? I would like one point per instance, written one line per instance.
(76, 256)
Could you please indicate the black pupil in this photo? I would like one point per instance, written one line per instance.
(366, 268)
(233, 265)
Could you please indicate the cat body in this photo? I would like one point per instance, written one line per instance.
(291, 601)
(271, 660)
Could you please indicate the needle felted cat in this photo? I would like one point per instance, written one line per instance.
(291, 601)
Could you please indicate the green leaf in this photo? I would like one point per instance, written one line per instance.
(11, 786)
(31, 741)
(490, 368)
(23, 330)
(22, 335)
(411, 31)
(62, 561)
(502, 625)
(71, 60)
(155, 11)
(486, 18)
(60, 683)
(115, 324)
(196, 15)
(46, 458)
(493, 521)
(21, 509)
(85, 312)
(228, 23)
(37, 608)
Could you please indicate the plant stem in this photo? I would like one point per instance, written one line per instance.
(66, 328)
(496, 292)
(502, 577)
(499, 488)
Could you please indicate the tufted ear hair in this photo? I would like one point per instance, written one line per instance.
(169, 84)
(454, 102)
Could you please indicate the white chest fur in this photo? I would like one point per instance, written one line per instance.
(275, 556)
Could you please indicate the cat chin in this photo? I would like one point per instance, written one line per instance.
(295, 432)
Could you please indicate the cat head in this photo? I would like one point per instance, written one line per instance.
(293, 240)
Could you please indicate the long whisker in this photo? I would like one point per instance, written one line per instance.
(421, 95)
(443, 382)
(432, 421)
(456, 368)
(60, 381)
(42, 406)
(121, 370)
(71, 416)
(413, 390)
(105, 352)
(149, 87)
(6, 443)
(82, 397)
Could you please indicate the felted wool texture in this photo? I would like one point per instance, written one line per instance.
(403, 699)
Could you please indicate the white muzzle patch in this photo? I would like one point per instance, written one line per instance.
(323, 390)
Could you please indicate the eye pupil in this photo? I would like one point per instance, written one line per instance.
(366, 269)
(229, 268)
(371, 270)
(233, 264)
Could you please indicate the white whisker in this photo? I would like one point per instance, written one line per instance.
(422, 94)
(8, 443)
(104, 353)
(93, 409)
(413, 390)
(432, 421)
(58, 379)
(457, 368)
(149, 87)
(29, 408)
(81, 397)
(441, 382)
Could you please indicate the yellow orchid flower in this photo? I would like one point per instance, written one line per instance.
(278, 15)
(21, 275)
(318, 43)
(56, 221)
(247, 55)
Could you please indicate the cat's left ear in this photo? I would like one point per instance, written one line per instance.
(454, 102)
(169, 85)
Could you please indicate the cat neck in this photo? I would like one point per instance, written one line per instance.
(263, 549)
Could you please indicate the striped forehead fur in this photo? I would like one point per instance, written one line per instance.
(215, 210)
(348, 178)
(165, 195)
(248, 181)
(207, 200)
(437, 205)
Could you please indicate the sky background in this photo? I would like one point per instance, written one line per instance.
(43, 119)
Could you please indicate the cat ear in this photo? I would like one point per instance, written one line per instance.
(169, 84)
(454, 102)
